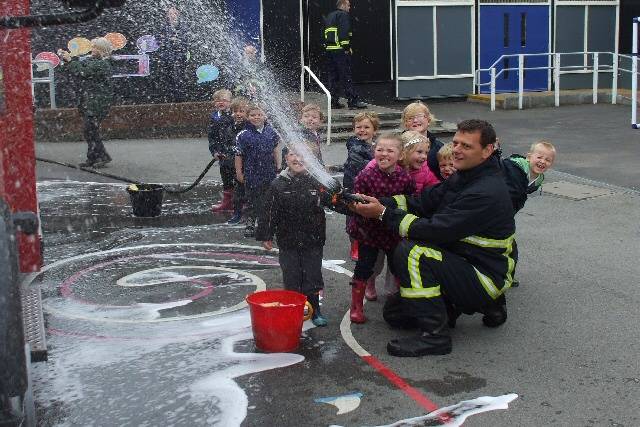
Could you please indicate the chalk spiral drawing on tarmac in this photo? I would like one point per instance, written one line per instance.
(229, 325)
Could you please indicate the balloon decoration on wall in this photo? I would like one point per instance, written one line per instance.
(79, 46)
(207, 73)
(147, 43)
(117, 40)
(47, 56)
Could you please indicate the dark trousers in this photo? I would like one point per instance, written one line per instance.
(430, 279)
(367, 257)
(238, 196)
(302, 269)
(339, 73)
(255, 199)
(228, 174)
(95, 147)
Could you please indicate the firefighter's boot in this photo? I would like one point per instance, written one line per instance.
(226, 204)
(433, 340)
(356, 314)
(496, 313)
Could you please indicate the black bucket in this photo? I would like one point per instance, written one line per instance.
(146, 199)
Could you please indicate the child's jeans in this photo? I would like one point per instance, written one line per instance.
(302, 269)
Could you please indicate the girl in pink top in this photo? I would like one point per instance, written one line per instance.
(414, 159)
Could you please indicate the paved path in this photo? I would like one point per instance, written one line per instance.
(569, 348)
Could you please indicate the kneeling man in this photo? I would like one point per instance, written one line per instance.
(459, 252)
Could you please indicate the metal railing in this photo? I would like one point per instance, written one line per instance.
(324, 89)
(554, 61)
(50, 80)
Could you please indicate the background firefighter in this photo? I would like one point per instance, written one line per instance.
(337, 44)
(459, 254)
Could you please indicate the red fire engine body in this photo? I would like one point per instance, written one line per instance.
(17, 151)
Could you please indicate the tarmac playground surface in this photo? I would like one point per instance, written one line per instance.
(146, 322)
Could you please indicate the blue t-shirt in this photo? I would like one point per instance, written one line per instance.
(256, 149)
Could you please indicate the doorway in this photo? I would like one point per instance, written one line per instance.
(514, 29)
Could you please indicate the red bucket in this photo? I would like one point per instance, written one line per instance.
(276, 319)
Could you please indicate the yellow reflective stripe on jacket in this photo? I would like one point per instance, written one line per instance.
(403, 229)
(401, 202)
(485, 242)
(413, 264)
(336, 45)
(420, 293)
(344, 42)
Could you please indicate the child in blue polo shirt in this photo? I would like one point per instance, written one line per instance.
(257, 160)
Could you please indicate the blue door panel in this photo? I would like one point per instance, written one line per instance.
(514, 29)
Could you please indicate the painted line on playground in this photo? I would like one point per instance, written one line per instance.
(381, 368)
(345, 324)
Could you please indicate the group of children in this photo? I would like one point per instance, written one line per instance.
(290, 205)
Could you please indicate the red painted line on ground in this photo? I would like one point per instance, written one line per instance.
(412, 392)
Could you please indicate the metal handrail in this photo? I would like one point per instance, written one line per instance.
(595, 68)
(325, 90)
(50, 79)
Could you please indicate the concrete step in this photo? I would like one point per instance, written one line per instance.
(443, 130)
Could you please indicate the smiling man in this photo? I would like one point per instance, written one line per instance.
(459, 252)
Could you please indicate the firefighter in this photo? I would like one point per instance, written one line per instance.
(459, 252)
(337, 44)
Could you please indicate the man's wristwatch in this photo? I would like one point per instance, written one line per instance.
(382, 213)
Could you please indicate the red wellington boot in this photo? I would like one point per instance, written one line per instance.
(370, 290)
(356, 314)
(226, 204)
(354, 250)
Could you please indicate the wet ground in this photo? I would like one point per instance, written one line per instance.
(146, 322)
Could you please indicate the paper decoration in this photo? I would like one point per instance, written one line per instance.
(207, 73)
(79, 46)
(147, 43)
(117, 40)
(47, 56)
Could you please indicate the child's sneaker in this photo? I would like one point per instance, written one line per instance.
(249, 231)
(235, 219)
(319, 320)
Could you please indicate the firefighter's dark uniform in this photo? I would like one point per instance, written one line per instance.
(337, 44)
(459, 256)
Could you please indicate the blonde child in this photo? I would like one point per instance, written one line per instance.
(219, 122)
(388, 178)
(524, 175)
(417, 117)
(359, 153)
(414, 160)
(445, 160)
(311, 119)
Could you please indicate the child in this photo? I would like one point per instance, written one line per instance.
(445, 160)
(256, 161)
(524, 175)
(414, 159)
(293, 211)
(359, 153)
(417, 117)
(387, 179)
(239, 114)
(220, 120)
(311, 118)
